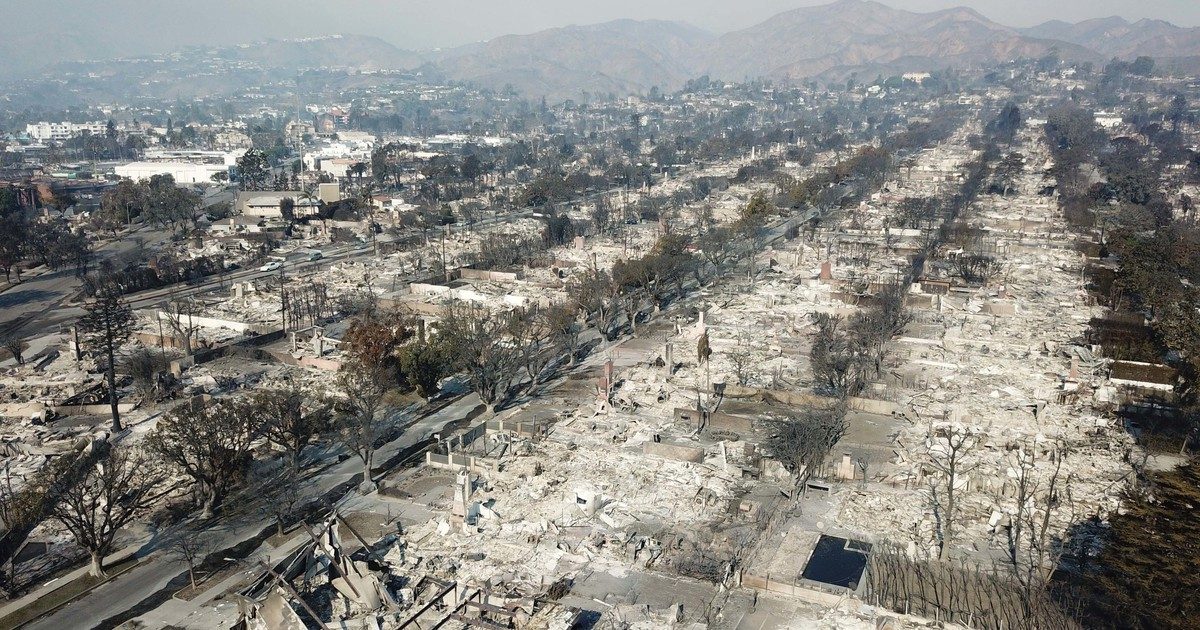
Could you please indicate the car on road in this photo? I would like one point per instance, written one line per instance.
(271, 266)
(315, 256)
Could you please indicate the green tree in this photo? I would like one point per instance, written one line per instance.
(425, 364)
(210, 443)
(291, 419)
(125, 202)
(254, 169)
(10, 201)
(1145, 576)
(287, 209)
(1142, 66)
(758, 208)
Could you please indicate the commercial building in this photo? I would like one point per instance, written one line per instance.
(183, 172)
(57, 132)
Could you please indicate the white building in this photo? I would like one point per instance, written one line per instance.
(60, 131)
(340, 167)
(315, 160)
(357, 139)
(1108, 120)
(183, 172)
(228, 158)
(264, 204)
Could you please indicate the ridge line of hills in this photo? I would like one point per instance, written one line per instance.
(624, 56)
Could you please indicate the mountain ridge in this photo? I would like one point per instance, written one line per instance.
(624, 56)
(1115, 36)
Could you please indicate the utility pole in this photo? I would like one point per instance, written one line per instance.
(445, 270)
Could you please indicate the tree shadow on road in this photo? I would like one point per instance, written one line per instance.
(18, 297)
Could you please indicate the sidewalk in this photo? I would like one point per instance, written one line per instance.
(63, 580)
(175, 612)
(120, 596)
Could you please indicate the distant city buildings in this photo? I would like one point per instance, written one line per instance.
(60, 131)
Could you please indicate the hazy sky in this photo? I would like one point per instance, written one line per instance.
(150, 25)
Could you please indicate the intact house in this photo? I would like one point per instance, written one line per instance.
(265, 203)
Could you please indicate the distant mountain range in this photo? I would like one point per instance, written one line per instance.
(625, 56)
(1117, 37)
(622, 57)
(859, 34)
(354, 52)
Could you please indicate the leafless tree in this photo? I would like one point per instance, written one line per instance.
(305, 305)
(743, 360)
(144, 366)
(290, 418)
(532, 340)
(718, 246)
(20, 510)
(599, 298)
(482, 347)
(117, 490)
(189, 545)
(871, 329)
(181, 313)
(863, 464)
(285, 497)
(975, 268)
(1040, 495)
(950, 453)
(601, 214)
(361, 413)
(562, 322)
(803, 442)
(837, 363)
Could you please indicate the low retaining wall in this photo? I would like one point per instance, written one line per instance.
(795, 589)
(457, 462)
(491, 276)
(526, 428)
(213, 322)
(247, 347)
(676, 452)
(716, 420)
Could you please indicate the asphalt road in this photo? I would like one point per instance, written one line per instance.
(29, 307)
(126, 591)
(38, 305)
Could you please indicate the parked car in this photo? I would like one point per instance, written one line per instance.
(271, 266)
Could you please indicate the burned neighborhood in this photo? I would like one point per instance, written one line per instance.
(689, 330)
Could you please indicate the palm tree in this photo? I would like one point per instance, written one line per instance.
(313, 202)
(359, 169)
(310, 198)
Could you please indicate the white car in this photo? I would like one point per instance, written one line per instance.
(271, 266)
